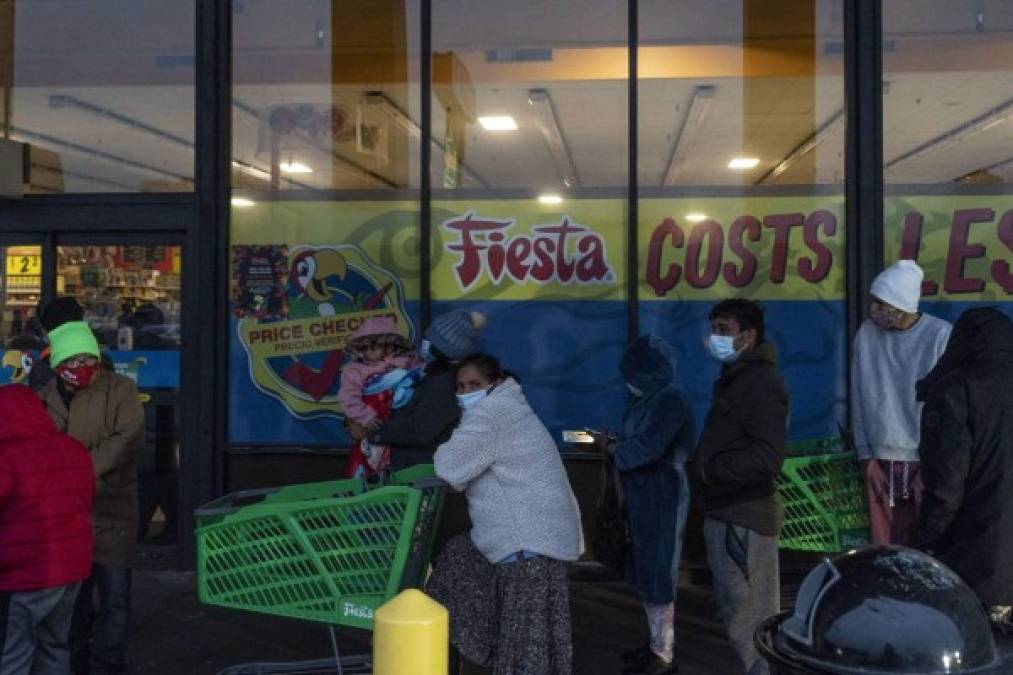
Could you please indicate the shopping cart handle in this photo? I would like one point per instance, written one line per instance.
(234, 501)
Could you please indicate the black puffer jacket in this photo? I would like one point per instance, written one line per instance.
(741, 450)
(416, 430)
(967, 455)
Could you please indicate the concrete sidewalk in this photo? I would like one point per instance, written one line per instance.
(173, 634)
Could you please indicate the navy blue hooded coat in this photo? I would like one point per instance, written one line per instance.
(655, 441)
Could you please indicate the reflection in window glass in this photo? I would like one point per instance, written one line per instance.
(529, 94)
(325, 95)
(948, 148)
(948, 92)
(325, 98)
(741, 173)
(102, 90)
(530, 169)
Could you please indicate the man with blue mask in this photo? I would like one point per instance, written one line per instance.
(735, 467)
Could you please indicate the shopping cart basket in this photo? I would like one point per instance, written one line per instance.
(330, 552)
(824, 503)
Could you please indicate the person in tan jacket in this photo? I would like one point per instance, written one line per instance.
(101, 410)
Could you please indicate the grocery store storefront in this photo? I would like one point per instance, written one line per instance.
(229, 187)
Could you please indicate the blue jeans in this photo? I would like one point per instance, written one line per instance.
(34, 627)
(98, 634)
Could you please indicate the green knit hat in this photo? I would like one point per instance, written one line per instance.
(71, 339)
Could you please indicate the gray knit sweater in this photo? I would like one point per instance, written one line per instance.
(519, 497)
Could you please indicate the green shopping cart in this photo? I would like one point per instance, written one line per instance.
(329, 552)
(824, 503)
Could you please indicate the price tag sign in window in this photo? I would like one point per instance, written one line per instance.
(24, 265)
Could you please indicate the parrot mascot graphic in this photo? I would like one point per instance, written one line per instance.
(15, 366)
(314, 284)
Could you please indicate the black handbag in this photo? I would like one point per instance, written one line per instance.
(610, 543)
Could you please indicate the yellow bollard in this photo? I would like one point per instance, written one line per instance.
(411, 636)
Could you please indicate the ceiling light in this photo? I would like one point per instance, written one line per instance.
(696, 217)
(294, 167)
(550, 199)
(242, 202)
(688, 132)
(498, 123)
(548, 124)
(743, 163)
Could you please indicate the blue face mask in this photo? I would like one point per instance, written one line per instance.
(426, 351)
(468, 401)
(722, 348)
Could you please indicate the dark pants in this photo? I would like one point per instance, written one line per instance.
(98, 634)
(34, 626)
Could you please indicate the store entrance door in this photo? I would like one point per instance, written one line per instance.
(131, 294)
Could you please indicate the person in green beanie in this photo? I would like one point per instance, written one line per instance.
(101, 410)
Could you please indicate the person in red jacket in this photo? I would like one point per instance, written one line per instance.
(46, 540)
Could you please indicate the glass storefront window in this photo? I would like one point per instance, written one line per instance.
(132, 299)
(325, 95)
(948, 149)
(529, 176)
(103, 91)
(325, 207)
(529, 94)
(741, 170)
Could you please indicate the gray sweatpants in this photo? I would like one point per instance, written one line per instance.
(744, 565)
(35, 631)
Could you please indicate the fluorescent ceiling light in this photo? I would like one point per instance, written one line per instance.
(550, 199)
(743, 163)
(498, 123)
(829, 128)
(689, 132)
(242, 202)
(977, 125)
(696, 217)
(294, 167)
(548, 124)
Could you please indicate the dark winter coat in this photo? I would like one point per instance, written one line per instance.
(417, 429)
(46, 491)
(741, 449)
(967, 455)
(108, 418)
(657, 427)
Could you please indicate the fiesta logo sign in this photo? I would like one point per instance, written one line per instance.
(563, 252)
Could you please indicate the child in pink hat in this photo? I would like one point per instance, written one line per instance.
(375, 380)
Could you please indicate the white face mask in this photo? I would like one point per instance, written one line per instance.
(468, 401)
(634, 390)
(426, 351)
(722, 348)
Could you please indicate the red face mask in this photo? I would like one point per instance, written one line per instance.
(79, 377)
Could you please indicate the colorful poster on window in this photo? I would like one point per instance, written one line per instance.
(305, 275)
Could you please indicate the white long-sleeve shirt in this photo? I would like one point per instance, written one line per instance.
(885, 368)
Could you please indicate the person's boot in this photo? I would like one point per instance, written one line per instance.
(635, 658)
(655, 665)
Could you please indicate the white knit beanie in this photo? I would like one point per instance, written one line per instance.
(900, 285)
